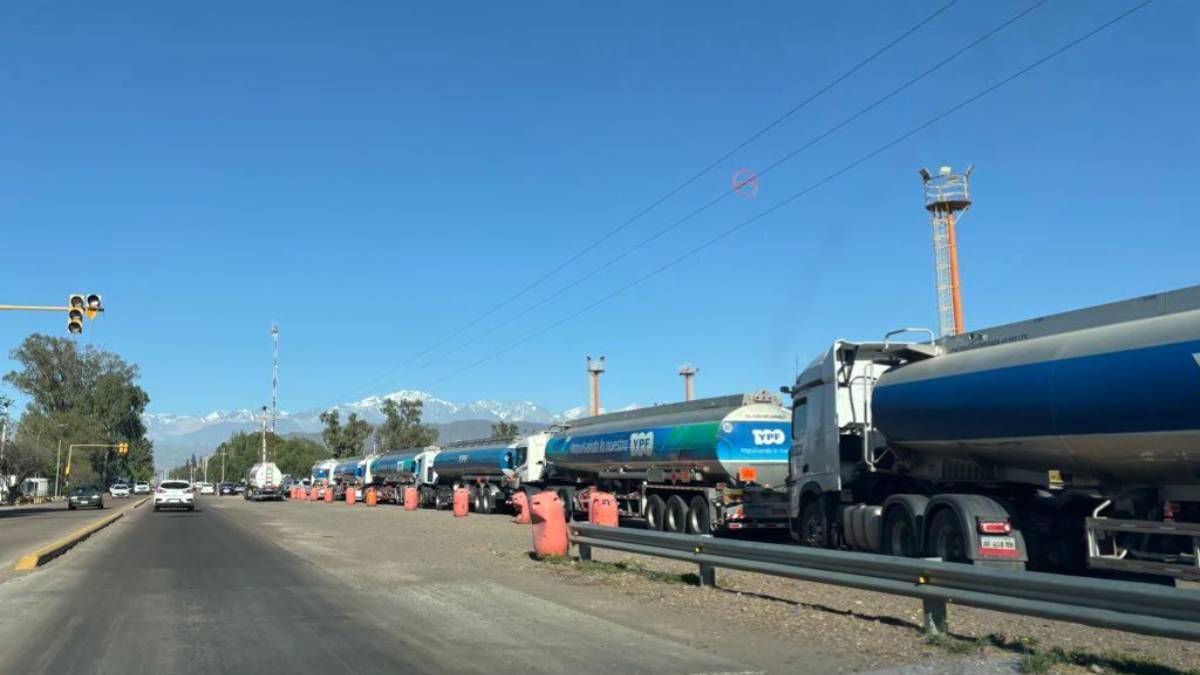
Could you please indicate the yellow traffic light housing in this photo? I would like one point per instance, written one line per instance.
(94, 305)
(122, 448)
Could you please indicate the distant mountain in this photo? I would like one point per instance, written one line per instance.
(178, 436)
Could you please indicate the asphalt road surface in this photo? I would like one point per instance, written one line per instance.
(25, 528)
(202, 593)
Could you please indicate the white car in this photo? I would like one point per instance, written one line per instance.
(118, 490)
(207, 489)
(174, 494)
(141, 488)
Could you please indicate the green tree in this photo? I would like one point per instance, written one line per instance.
(504, 431)
(294, 456)
(402, 426)
(83, 395)
(346, 440)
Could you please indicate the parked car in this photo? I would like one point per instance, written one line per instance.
(141, 488)
(240, 487)
(118, 490)
(227, 489)
(85, 496)
(176, 494)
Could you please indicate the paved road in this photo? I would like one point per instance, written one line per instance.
(200, 593)
(25, 528)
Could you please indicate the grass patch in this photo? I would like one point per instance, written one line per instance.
(1043, 660)
(634, 568)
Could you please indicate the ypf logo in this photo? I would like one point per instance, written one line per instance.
(769, 436)
(641, 444)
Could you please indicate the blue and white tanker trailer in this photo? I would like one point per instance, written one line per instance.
(348, 474)
(1067, 441)
(389, 473)
(696, 466)
(486, 467)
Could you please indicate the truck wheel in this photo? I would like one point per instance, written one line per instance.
(813, 528)
(676, 520)
(900, 534)
(946, 540)
(655, 510)
(487, 502)
(439, 500)
(698, 518)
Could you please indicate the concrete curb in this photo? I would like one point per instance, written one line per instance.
(45, 554)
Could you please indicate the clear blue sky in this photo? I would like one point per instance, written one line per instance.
(375, 175)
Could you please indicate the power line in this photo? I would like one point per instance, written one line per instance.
(814, 186)
(669, 194)
(725, 194)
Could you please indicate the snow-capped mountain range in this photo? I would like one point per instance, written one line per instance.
(177, 436)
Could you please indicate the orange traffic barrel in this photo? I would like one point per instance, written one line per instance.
(370, 497)
(462, 501)
(411, 499)
(312, 493)
(602, 510)
(520, 502)
(351, 495)
(329, 494)
(549, 525)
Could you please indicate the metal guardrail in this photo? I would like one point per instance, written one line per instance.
(1134, 607)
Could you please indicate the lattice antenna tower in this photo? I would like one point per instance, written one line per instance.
(274, 374)
(947, 197)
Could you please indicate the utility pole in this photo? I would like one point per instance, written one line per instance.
(595, 368)
(264, 435)
(688, 372)
(274, 375)
(223, 451)
(57, 467)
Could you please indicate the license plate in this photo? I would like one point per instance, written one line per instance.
(1004, 547)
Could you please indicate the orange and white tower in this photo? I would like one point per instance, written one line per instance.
(947, 196)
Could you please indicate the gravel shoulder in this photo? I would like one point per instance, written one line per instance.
(766, 623)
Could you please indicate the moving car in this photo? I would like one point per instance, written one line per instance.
(141, 488)
(118, 490)
(207, 489)
(239, 487)
(85, 495)
(174, 494)
(227, 489)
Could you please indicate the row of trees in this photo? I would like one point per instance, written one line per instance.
(294, 456)
(401, 428)
(76, 395)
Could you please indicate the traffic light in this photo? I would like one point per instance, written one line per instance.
(93, 305)
(122, 448)
(75, 307)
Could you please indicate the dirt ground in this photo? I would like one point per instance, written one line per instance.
(772, 624)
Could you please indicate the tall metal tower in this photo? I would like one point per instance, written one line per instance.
(595, 368)
(274, 374)
(688, 372)
(947, 196)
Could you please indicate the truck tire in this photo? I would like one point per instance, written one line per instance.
(655, 512)
(946, 539)
(487, 502)
(900, 536)
(676, 515)
(813, 527)
(699, 521)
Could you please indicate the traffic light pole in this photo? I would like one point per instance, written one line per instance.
(123, 448)
(78, 306)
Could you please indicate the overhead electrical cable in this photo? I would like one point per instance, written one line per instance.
(795, 196)
(725, 194)
(668, 195)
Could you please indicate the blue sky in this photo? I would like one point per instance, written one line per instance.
(376, 175)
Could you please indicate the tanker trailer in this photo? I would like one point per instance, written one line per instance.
(346, 476)
(486, 467)
(392, 471)
(1068, 441)
(697, 466)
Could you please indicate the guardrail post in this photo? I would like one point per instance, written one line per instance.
(585, 551)
(708, 575)
(933, 614)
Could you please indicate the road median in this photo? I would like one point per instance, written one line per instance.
(45, 554)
